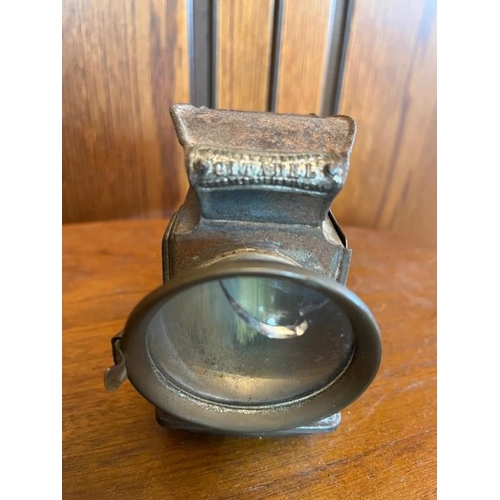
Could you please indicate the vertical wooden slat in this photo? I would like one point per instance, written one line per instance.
(410, 206)
(244, 41)
(201, 53)
(304, 53)
(341, 22)
(124, 63)
(389, 88)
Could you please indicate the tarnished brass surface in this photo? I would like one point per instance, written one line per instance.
(258, 208)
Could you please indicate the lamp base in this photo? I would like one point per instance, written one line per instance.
(328, 424)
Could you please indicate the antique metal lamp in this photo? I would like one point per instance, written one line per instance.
(253, 331)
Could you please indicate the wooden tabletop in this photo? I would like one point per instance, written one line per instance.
(385, 447)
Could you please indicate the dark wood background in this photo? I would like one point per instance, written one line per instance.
(125, 63)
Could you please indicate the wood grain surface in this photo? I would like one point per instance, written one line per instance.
(244, 40)
(304, 51)
(385, 447)
(124, 63)
(389, 88)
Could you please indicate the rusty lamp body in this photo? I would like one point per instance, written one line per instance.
(253, 331)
